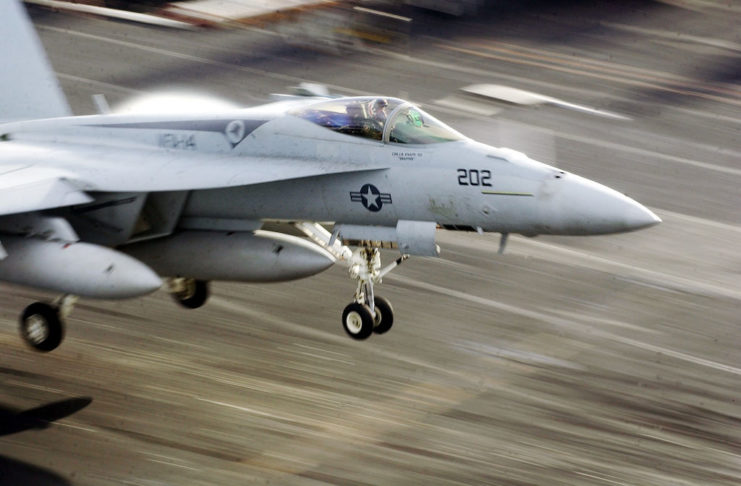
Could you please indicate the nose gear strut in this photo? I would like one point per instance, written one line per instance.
(368, 313)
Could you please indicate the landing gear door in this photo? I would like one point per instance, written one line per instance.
(417, 238)
(410, 237)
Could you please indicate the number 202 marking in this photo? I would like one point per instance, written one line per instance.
(474, 177)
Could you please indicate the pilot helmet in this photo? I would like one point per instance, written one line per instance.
(377, 108)
(380, 103)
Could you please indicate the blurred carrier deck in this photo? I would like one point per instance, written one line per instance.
(229, 11)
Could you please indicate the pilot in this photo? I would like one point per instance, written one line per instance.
(378, 110)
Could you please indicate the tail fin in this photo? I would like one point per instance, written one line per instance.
(28, 86)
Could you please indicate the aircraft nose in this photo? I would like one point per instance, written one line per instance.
(584, 207)
(638, 216)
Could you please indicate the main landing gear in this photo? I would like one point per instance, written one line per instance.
(188, 292)
(368, 314)
(42, 324)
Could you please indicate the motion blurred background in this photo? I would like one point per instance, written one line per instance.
(566, 361)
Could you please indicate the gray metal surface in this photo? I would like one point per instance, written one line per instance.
(567, 361)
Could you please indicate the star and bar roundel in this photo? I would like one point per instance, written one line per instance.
(371, 198)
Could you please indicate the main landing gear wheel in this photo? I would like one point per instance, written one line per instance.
(384, 317)
(190, 293)
(41, 326)
(358, 321)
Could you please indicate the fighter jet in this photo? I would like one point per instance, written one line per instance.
(114, 206)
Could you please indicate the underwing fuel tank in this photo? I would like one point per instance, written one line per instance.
(259, 256)
(79, 269)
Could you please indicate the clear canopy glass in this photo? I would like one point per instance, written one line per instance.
(388, 119)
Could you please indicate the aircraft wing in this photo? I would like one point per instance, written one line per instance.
(127, 169)
(25, 189)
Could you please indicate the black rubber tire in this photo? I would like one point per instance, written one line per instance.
(357, 321)
(195, 296)
(44, 339)
(384, 315)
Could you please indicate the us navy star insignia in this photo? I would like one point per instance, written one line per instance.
(371, 198)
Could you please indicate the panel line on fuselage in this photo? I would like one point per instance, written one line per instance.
(504, 193)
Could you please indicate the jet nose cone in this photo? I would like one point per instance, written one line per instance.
(639, 217)
(584, 207)
(618, 213)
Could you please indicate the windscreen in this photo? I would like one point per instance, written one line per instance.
(372, 117)
(412, 125)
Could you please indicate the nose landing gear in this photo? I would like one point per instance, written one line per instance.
(368, 314)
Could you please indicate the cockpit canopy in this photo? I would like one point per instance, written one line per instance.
(387, 119)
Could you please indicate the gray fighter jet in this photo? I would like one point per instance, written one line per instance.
(115, 205)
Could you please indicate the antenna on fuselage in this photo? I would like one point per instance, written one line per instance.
(503, 243)
(101, 104)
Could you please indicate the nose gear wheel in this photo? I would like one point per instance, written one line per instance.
(358, 321)
(384, 318)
